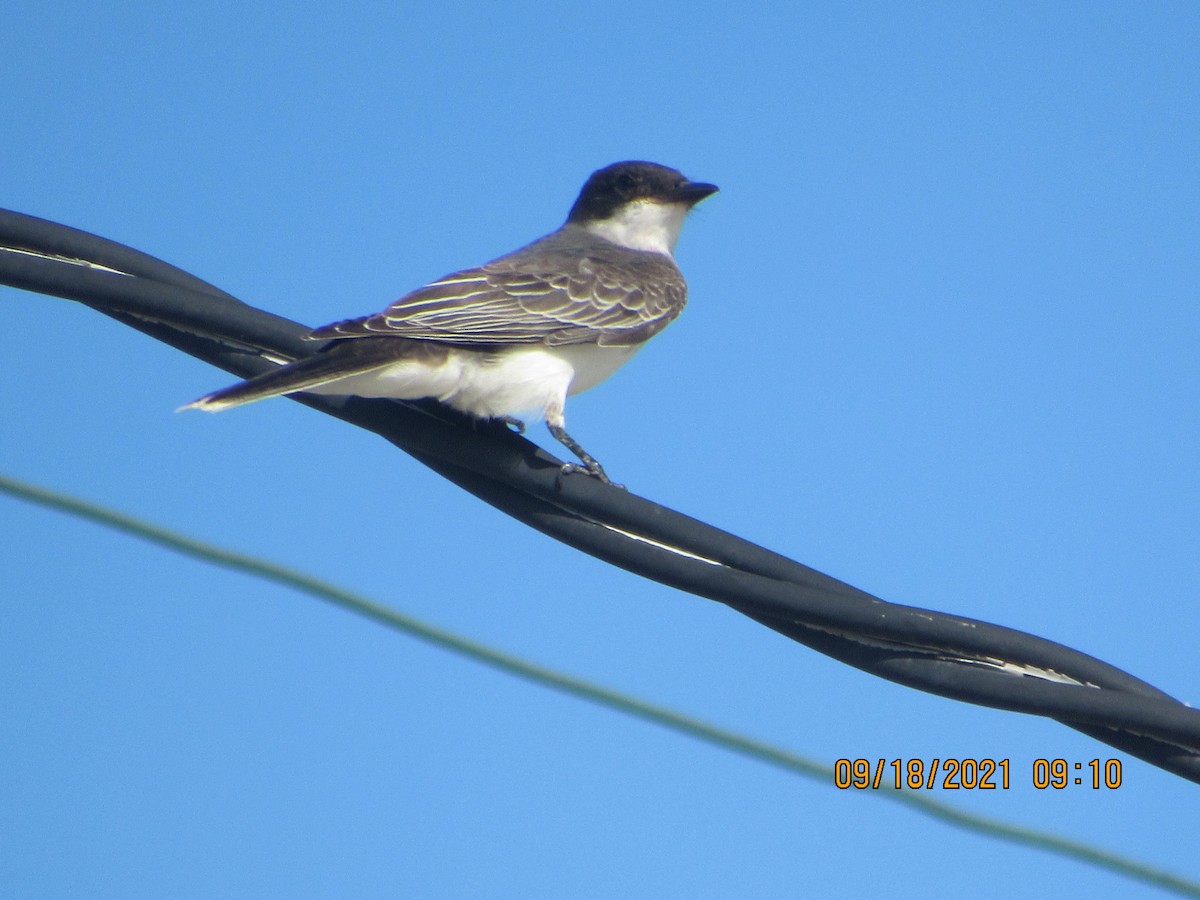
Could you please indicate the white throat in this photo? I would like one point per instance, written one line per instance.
(643, 225)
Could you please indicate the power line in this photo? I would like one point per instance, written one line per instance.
(964, 659)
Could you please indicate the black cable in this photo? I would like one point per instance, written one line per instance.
(965, 659)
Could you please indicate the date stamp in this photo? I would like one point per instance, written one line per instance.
(983, 774)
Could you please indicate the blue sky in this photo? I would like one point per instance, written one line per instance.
(941, 343)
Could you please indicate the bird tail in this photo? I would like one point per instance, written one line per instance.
(339, 360)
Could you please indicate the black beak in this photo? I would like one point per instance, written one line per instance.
(692, 192)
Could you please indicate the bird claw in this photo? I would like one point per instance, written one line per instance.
(594, 469)
(514, 423)
(590, 466)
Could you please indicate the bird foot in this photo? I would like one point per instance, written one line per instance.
(590, 466)
(594, 469)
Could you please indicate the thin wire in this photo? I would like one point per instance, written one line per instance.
(513, 665)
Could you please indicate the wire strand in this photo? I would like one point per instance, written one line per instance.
(578, 687)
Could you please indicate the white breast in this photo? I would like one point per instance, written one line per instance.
(518, 380)
(532, 379)
(593, 363)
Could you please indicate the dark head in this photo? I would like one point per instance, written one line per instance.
(639, 205)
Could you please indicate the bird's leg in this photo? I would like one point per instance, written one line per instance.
(589, 462)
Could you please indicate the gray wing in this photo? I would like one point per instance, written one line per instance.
(567, 288)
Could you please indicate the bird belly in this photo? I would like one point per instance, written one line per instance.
(535, 379)
(593, 363)
(521, 379)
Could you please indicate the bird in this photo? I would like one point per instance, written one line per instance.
(521, 333)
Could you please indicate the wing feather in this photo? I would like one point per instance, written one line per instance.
(570, 287)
